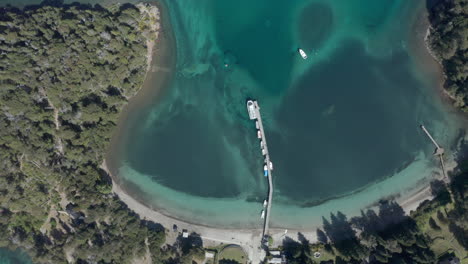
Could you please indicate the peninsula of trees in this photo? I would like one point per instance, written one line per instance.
(448, 40)
(66, 73)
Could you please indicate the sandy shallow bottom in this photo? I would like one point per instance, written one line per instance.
(249, 238)
(407, 190)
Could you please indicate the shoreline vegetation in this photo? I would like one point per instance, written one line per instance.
(57, 199)
(447, 42)
(67, 72)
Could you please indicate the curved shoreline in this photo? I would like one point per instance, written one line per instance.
(248, 238)
(244, 237)
(161, 60)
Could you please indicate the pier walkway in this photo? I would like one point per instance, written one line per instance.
(267, 162)
(439, 151)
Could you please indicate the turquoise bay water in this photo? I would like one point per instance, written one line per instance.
(13, 257)
(345, 120)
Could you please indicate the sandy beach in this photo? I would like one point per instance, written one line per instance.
(161, 61)
(248, 239)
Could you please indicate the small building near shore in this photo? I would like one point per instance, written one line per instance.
(281, 260)
(209, 254)
(277, 257)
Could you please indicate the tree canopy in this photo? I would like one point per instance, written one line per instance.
(448, 40)
(66, 73)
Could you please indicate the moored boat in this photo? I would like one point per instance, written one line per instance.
(303, 54)
(251, 109)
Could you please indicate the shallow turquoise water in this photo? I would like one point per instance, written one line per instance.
(13, 257)
(342, 121)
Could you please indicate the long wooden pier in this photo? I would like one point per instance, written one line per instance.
(267, 163)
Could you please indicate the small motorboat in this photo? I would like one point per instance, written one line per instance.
(263, 214)
(303, 54)
(251, 109)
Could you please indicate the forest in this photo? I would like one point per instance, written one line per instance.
(66, 73)
(448, 40)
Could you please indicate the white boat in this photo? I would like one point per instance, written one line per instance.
(265, 203)
(303, 54)
(263, 152)
(261, 144)
(251, 109)
(263, 214)
(257, 126)
(271, 165)
(265, 171)
(259, 135)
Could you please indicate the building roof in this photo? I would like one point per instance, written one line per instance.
(276, 260)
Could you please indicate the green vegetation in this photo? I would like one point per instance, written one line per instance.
(188, 249)
(66, 73)
(448, 40)
(438, 229)
(227, 254)
(232, 254)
